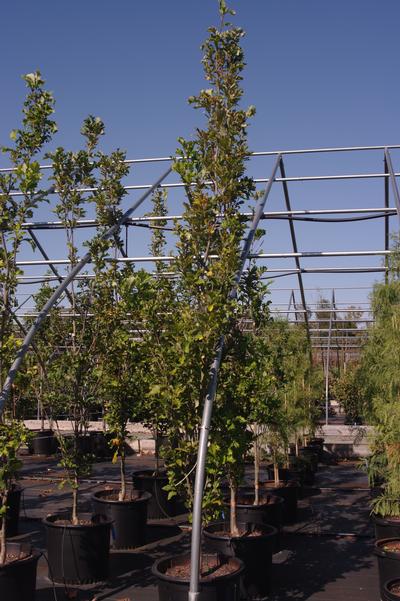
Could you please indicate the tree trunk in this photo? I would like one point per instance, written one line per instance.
(256, 473)
(276, 474)
(233, 521)
(122, 492)
(3, 532)
(75, 502)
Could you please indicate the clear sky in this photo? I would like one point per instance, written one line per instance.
(321, 73)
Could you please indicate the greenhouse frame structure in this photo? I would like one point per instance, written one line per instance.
(297, 312)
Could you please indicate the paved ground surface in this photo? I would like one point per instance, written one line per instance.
(326, 555)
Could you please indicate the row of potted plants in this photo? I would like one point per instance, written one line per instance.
(143, 344)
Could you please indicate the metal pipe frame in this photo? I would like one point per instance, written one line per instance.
(194, 588)
(61, 288)
(296, 255)
(299, 178)
(171, 259)
(393, 175)
(253, 154)
(83, 223)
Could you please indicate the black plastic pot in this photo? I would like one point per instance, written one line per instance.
(43, 442)
(269, 511)
(129, 517)
(387, 594)
(255, 552)
(221, 588)
(289, 491)
(386, 527)
(159, 507)
(78, 554)
(18, 579)
(388, 562)
(286, 474)
(317, 445)
(13, 508)
(311, 455)
(99, 444)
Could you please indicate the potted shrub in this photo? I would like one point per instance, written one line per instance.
(248, 531)
(18, 561)
(77, 543)
(158, 313)
(209, 245)
(120, 367)
(347, 389)
(381, 392)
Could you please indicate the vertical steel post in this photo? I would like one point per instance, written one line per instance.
(386, 199)
(194, 588)
(62, 288)
(327, 365)
(393, 181)
(290, 304)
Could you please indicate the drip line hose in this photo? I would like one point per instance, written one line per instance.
(51, 577)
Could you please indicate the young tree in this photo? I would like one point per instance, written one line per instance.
(212, 168)
(28, 142)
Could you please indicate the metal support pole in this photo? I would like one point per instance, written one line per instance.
(386, 184)
(393, 181)
(290, 304)
(62, 287)
(295, 250)
(327, 367)
(335, 311)
(194, 589)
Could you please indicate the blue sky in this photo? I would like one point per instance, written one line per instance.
(320, 74)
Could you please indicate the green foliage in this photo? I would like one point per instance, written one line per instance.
(12, 436)
(348, 390)
(28, 141)
(380, 365)
(199, 309)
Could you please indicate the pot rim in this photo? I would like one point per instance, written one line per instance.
(381, 552)
(284, 483)
(390, 582)
(209, 582)
(277, 501)
(273, 532)
(34, 555)
(385, 520)
(149, 474)
(144, 497)
(48, 521)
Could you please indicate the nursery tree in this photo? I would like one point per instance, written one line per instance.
(212, 168)
(117, 364)
(159, 317)
(73, 380)
(37, 129)
(12, 436)
(244, 378)
(28, 141)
